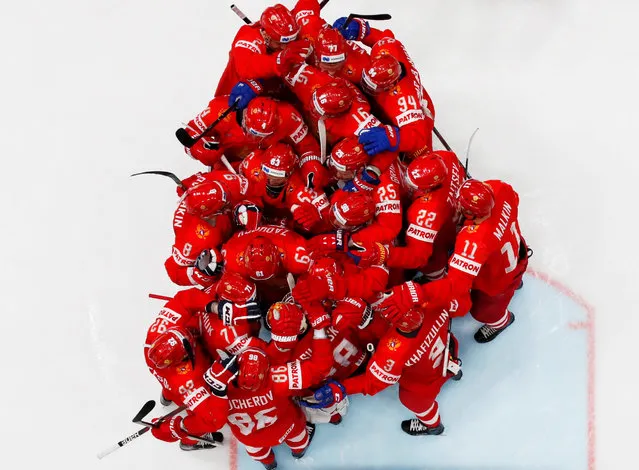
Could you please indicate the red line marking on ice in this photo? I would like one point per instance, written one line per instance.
(589, 326)
(233, 453)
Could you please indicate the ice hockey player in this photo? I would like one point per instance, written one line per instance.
(264, 50)
(419, 353)
(393, 82)
(179, 364)
(262, 414)
(488, 263)
(433, 181)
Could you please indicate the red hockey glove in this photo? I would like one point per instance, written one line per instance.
(169, 430)
(399, 301)
(318, 288)
(220, 374)
(366, 255)
(317, 316)
(314, 173)
(306, 215)
(350, 312)
(324, 244)
(292, 56)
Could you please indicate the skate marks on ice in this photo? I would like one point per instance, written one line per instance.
(523, 402)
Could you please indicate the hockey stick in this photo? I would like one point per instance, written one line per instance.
(470, 141)
(323, 4)
(168, 174)
(159, 297)
(241, 14)
(146, 409)
(441, 139)
(378, 17)
(188, 141)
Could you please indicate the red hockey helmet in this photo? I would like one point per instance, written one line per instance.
(475, 199)
(261, 117)
(169, 348)
(206, 199)
(330, 50)
(346, 157)
(253, 368)
(235, 288)
(286, 321)
(410, 321)
(351, 210)
(279, 26)
(382, 74)
(332, 99)
(278, 163)
(261, 259)
(426, 173)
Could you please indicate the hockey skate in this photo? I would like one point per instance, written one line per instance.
(310, 428)
(164, 401)
(415, 427)
(487, 333)
(199, 445)
(270, 466)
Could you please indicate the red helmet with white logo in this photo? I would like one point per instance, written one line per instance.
(286, 321)
(330, 49)
(426, 173)
(235, 288)
(475, 199)
(169, 348)
(279, 26)
(351, 210)
(278, 163)
(261, 259)
(253, 367)
(382, 74)
(261, 118)
(332, 99)
(206, 199)
(347, 156)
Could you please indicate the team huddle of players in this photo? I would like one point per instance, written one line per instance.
(327, 219)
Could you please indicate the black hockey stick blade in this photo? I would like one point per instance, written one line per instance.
(323, 4)
(145, 410)
(168, 174)
(379, 17)
(240, 13)
(184, 138)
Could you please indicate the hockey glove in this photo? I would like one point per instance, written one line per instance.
(317, 316)
(318, 288)
(328, 243)
(306, 215)
(350, 312)
(328, 394)
(220, 374)
(366, 255)
(230, 313)
(399, 301)
(244, 92)
(356, 30)
(247, 215)
(210, 262)
(292, 56)
(170, 430)
(380, 139)
(365, 180)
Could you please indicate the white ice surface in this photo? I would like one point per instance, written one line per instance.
(92, 91)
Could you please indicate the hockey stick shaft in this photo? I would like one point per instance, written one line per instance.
(188, 141)
(323, 4)
(441, 139)
(159, 297)
(135, 435)
(241, 14)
